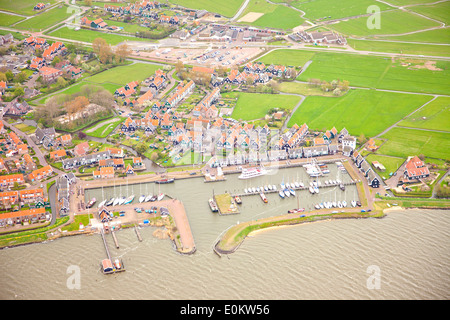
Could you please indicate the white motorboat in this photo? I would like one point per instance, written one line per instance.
(252, 172)
(116, 201)
(101, 204)
(129, 199)
(148, 198)
(160, 196)
(142, 198)
(122, 201)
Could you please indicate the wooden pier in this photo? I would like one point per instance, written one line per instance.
(113, 233)
(107, 265)
(136, 229)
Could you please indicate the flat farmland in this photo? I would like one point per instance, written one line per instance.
(22, 7)
(434, 116)
(332, 9)
(439, 11)
(252, 106)
(45, 20)
(287, 57)
(441, 35)
(391, 22)
(85, 35)
(227, 8)
(400, 47)
(124, 74)
(411, 75)
(367, 112)
(404, 142)
(8, 19)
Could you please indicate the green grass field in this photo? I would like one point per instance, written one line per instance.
(379, 72)
(22, 7)
(104, 128)
(404, 142)
(287, 57)
(8, 19)
(435, 116)
(390, 163)
(275, 16)
(391, 22)
(251, 106)
(441, 35)
(124, 74)
(400, 47)
(45, 20)
(438, 11)
(84, 35)
(331, 9)
(227, 8)
(360, 111)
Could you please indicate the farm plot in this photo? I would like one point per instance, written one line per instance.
(45, 20)
(124, 74)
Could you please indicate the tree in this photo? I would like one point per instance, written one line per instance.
(51, 105)
(61, 82)
(337, 92)
(123, 51)
(9, 75)
(55, 61)
(3, 77)
(362, 139)
(20, 77)
(19, 92)
(81, 135)
(76, 105)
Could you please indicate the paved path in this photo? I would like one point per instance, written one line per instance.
(242, 8)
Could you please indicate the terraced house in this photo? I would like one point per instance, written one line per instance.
(9, 180)
(40, 174)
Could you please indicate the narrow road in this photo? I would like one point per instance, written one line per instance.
(242, 8)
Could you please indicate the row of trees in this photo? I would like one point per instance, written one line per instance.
(106, 54)
(336, 86)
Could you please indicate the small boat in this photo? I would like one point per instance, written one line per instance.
(263, 197)
(253, 189)
(116, 201)
(269, 187)
(358, 203)
(311, 190)
(353, 203)
(334, 204)
(301, 185)
(91, 203)
(148, 198)
(292, 191)
(339, 204)
(164, 181)
(297, 185)
(287, 193)
(342, 187)
(282, 185)
(274, 187)
(101, 204)
(213, 205)
(326, 182)
(142, 198)
(321, 205)
(129, 199)
(317, 206)
(117, 264)
(257, 189)
(237, 199)
(296, 210)
(281, 193)
(154, 198)
(266, 188)
(245, 190)
(110, 202)
(160, 196)
(288, 185)
(344, 204)
(122, 201)
(316, 190)
(330, 205)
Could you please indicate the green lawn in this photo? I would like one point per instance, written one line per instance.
(251, 106)
(45, 20)
(391, 22)
(8, 19)
(438, 11)
(379, 72)
(124, 74)
(404, 142)
(22, 7)
(435, 115)
(332, 9)
(390, 163)
(227, 8)
(274, 16)
(400, 47)
(84, 35)
(287, 57)
(104, 128)
(303, 89)
(360, 111)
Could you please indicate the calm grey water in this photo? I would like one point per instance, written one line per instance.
(322, 260)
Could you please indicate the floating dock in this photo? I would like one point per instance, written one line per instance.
(107, 265)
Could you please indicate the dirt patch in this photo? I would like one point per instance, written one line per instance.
(161, 234)
(418, 64)
(251, 17)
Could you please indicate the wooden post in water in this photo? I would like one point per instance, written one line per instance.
(115, 239)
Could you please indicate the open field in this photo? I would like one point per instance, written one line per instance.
(404, 142)
(330, 9)
(124, 74)
(24, 7)
(274, 16)
(287, 57)
(380, 72)
(45, 20)
(441, 35)
(360, 111)
(251, 106)
(439, 11)
(227, 8)
(400, 47)
(85, 35)
(8, 19)
(104, 128)
(390, 163)
(303, 89)
(435, 115)
(391, 22)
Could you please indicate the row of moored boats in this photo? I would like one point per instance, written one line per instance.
(125, 200)
(337, 204)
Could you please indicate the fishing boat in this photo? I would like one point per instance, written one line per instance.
(165, 180)
(160, 196)
(296, 210)
(129, 199)
(281, 193)
(238, 199)
(213, 205)
(292, 191)
(101, 204)
(248, 173)
(142, 198)
(263, 197)
(91, 203)
(148, 198)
